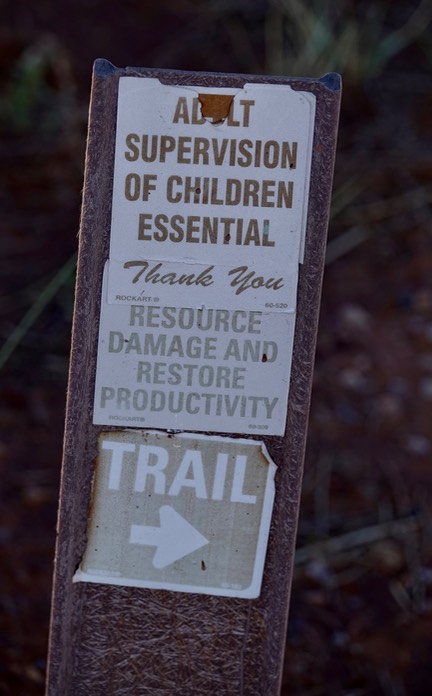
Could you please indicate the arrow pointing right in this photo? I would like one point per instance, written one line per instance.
(174, 539)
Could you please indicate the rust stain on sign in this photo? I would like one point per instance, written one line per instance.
(216, 107)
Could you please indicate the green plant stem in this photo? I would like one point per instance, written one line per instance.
(36, 309)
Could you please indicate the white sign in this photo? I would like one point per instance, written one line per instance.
(179, 512)
(181, 368)
(199, 297)
(207, 212)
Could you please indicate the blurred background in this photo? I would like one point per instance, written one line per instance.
(361, 608)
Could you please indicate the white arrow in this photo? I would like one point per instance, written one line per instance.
(174, 539)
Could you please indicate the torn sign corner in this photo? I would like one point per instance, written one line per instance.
(268, 460)
(79, 575)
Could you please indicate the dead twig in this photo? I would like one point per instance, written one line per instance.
(359, 537)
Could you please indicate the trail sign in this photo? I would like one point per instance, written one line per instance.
(202, 244)
(164, 506)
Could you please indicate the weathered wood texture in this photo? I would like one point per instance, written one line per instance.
(115, 641)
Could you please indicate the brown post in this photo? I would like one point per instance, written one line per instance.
(209, 618)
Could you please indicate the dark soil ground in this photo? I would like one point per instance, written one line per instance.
(361, 609)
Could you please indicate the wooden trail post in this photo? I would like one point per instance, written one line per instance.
(202, 242)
